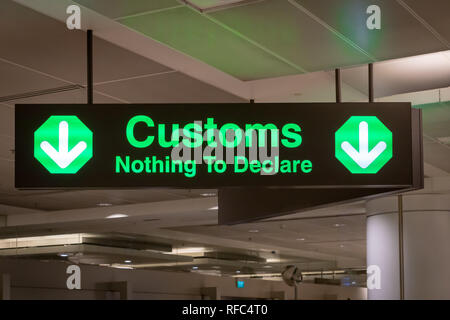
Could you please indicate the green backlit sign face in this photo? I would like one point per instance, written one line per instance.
(63, 144)
(363, 144)
(281, 145)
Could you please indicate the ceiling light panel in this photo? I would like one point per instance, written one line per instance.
(53, 240)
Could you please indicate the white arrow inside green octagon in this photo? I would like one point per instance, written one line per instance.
(63, 157)
(363, 157)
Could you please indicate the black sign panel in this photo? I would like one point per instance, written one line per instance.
(309, 145)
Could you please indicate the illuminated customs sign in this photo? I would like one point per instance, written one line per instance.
(215, 145)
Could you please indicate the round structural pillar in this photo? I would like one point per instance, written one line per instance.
(426, 247)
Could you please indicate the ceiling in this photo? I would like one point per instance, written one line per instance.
(272, 38)
(165, 51)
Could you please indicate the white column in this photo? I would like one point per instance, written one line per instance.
(426, 238)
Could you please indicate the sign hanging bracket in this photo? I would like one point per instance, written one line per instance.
(90, 84)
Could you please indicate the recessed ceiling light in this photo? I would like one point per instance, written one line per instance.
(194, 268)
(185, 250)
(208, 194)
(267, 267)
(238, 271)
(104, 204)
(127, 261)
(116, 216)
(253, 230)
(300, 239)
(338, 225)
(63, 255)
(214, 208)
(341, 246)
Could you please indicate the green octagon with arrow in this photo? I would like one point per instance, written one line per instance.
(363, 144)
(63, 144)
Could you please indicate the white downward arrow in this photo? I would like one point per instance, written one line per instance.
(63, 157)
(363, 157)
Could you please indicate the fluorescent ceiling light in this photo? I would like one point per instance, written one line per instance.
(208, 194)
(211, 5)
(185, 250)
(121, 267)
(214, 208)
(116, 216)
(313, 273)
(52, 240)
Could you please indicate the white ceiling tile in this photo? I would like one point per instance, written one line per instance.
(401, 34)
(424, 72)
(45, 44)
(166, 88)
(435, 14)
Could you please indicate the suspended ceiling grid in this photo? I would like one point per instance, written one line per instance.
(272, 38)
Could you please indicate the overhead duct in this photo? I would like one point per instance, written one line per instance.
(233, 256)
(107, 240)
(126, 243)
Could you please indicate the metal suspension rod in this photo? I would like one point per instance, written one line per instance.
(371, 82)
(90, 83)
(337, 79)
